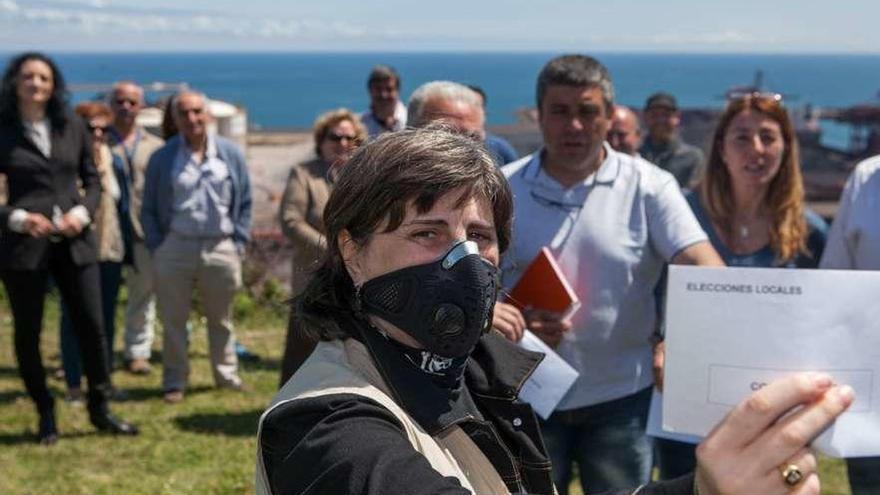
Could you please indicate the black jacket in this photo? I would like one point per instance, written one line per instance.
(349, 444)
(36, 184)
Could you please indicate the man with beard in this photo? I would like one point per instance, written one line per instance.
(663, 147)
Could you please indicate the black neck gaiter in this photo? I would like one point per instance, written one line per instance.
(444, 372)
(429, 387)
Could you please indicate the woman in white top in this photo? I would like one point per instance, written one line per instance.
(53, 189)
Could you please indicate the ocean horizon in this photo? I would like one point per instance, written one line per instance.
(287, 90)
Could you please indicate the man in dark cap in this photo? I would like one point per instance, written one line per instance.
(663, 147)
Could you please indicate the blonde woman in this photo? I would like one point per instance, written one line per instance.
(336, 133)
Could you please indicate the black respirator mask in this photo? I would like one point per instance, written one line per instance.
(446, 305)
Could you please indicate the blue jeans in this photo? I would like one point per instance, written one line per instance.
(71, 360)
(607, 441)
(673, 458)
(864, 475)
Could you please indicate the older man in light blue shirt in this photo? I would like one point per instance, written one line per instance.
(202, 194)
(196, 217)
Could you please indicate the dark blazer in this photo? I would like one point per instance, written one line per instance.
(36, 183)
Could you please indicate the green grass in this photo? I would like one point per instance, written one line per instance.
(204, 445)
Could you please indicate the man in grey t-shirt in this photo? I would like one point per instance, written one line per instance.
(663, 147)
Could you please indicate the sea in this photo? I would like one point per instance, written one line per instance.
(286, 91)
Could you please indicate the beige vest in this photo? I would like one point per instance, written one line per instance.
(108, 235)
(137, 169)
(347, 368)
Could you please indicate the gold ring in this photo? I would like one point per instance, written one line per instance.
(791, 474)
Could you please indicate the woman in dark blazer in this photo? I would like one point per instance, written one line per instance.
(44, 231)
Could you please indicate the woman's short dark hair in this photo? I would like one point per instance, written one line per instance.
(380, 181)
(169, 127)
(57, 106)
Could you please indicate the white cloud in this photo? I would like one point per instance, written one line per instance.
(728, 37)
(99, 17)
(9, 6)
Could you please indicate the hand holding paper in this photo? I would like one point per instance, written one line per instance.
(550, 381)
(548, 326)
(731, 331)
(743, 454)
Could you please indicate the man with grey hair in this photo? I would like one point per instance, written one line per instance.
(611, 221)
(500, 149)
(452, 103)
(449, 102)
(196, 217)
(134, 145)
(625, 134)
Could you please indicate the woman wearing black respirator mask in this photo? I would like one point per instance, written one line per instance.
(410, 390)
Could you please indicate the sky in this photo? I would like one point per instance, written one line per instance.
(644, 26)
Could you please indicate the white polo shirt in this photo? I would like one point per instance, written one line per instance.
(611, 235)
(854, 240)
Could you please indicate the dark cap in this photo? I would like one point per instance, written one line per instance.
(661, 100)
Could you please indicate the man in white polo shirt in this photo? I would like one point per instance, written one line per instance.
(612, 221)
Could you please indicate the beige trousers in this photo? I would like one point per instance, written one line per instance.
(213, 266)
(140, 311)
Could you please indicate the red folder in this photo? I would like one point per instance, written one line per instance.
(544, 286)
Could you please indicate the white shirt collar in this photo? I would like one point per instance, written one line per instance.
(608, 170)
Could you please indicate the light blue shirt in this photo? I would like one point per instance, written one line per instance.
(202, 194)
(374, 127)
(611, 235)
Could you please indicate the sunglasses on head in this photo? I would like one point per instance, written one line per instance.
(755, 95)
(338, 138)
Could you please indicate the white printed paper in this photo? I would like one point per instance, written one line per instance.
(730, 331)
(551, 379)
(655, 423)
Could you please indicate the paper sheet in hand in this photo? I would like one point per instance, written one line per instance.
(654, 427)
(550, 381)
(731, 330)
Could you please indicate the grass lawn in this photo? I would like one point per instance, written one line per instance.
(204, 445)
